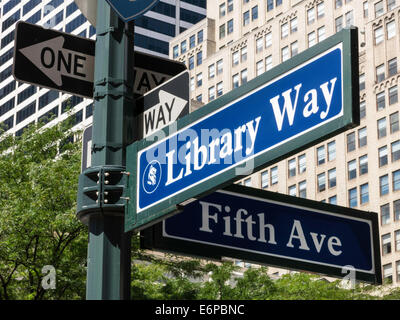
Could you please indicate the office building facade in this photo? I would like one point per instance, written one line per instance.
(360, 168)
(22, 104)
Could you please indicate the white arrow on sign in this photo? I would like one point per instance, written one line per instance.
(55, 61)
(162, 114)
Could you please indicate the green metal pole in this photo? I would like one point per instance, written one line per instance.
(108, 274)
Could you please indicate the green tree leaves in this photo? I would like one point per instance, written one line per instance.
(38, 225)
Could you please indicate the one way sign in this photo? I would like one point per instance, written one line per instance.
(163, 105)
(66, 62)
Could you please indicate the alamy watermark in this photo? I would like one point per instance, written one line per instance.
(49, 279)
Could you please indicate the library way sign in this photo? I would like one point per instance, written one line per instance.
(302, 101)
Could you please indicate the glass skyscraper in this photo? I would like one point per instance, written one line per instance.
(22, 104)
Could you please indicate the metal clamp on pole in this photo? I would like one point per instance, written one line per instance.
(101, 189)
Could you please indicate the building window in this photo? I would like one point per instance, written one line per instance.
(365, 9)
(211, 93)
(397, 244)
(391, 29)
(321, 33)
(385, 214)
(331, 150)
(321, 182)
(274, 175)
(380, 101)
(254, 13)
(320, 10)
(311, 39)
(270, 5)
(339, 23)
(199, 58)
(199, 79)
(222, 31)
(302, 163)
(363, 109)
(294, 48)
(351, 142)
(220, 89)
(247, 182)
(393, 96)
(220, 65)
(333, 200)
(394, 122)
(175, 51)
(183, 47)
(362, 137)
(292, 190)
(235, 58)
(26, 112)
(381, 128)
(392, 67)
(310, 15)
(230, 26)
(230, 5)
(265, 179)
(293, 25)
(292, 167)
(338, 3)
(391, 4)
(211, 71)
(192, 41)
(259, 45)
(222, 10)
(387, 273)
(396, 180)
(243, 54)
(386, 244)
(378, 9)
(303, 189)
(243, 76)
(396, 210)
(384, 185)
(332, 178)
(363, 164)
(235, 81)
(349, 18)
(395, 150)
(284, 30)
(378, 35)
(364, 193)
(246, 18)
(362, 81)
(351, 169)
(268, 63)
(192, 84)
(268, 39)
(380, 73)
(259, 67)
(353, 198)
(383, 156)
(285, 53)
(191, 62)
(321, 155)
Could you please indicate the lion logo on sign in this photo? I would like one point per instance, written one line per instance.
(152, 176)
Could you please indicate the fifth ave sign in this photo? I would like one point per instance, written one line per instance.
(274, 229)
(302, 101)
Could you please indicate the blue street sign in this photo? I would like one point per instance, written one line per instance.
(131, 9)
(301, 102)
(265, 227)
